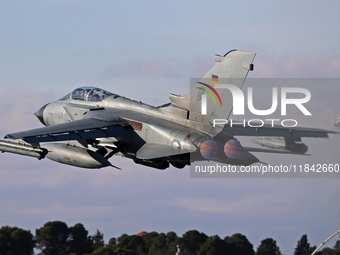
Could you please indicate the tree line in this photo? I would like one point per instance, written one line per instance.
(56, 238)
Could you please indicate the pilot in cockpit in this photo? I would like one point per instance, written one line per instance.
(94, 96)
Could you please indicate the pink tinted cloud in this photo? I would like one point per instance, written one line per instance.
(17, 107)
(200, 67)
(311, 66)
(147, 68)
(316, 65)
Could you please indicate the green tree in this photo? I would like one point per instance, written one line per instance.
(170, 238)
(146, 242)
(131, 243)
(172, 248)
(268, 247)
(159, 245)
(134, 243)
(98, 240)
(80, 242)
(214, 246)
(312, 249)
(239, 245)
(112, 243)
(327, 251)
(15, 240)
(122, 251)
(52, 238)
(336, 248)
(192, 240)
(103, 251)
(303, 247)
(123, 240)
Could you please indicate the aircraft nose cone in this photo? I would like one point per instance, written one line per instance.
(40, 114)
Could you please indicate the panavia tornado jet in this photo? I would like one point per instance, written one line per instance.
(90, 125)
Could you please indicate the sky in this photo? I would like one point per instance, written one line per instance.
(145, 50)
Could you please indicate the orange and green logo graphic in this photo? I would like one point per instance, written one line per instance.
(203, 97)
(209, 93)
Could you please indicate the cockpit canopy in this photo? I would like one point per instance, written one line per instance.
(90, 94)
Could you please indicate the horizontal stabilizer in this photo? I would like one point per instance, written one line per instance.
(272, 151)
(153, 151)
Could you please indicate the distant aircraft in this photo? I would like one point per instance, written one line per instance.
(336, 122)
(292, 144)
(90, 125)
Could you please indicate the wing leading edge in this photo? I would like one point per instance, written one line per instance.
(83, 129)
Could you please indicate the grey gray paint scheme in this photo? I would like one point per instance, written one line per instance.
(90, 125)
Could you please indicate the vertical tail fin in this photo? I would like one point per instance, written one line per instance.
(231, 69)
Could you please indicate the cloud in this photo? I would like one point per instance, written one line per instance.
(200, 66)
(63, 210)
(306, 66)
(17, 107)
(160, 68)
(286, 66)
(214, 205)
(143, 68)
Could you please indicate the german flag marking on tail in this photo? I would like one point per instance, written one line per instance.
(214, 79)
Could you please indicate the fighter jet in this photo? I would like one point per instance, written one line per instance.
(88, 126)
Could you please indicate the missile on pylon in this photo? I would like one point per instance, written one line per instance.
(22, 149)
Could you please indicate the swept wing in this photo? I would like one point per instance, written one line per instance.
(83, 129)
(279, 131)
